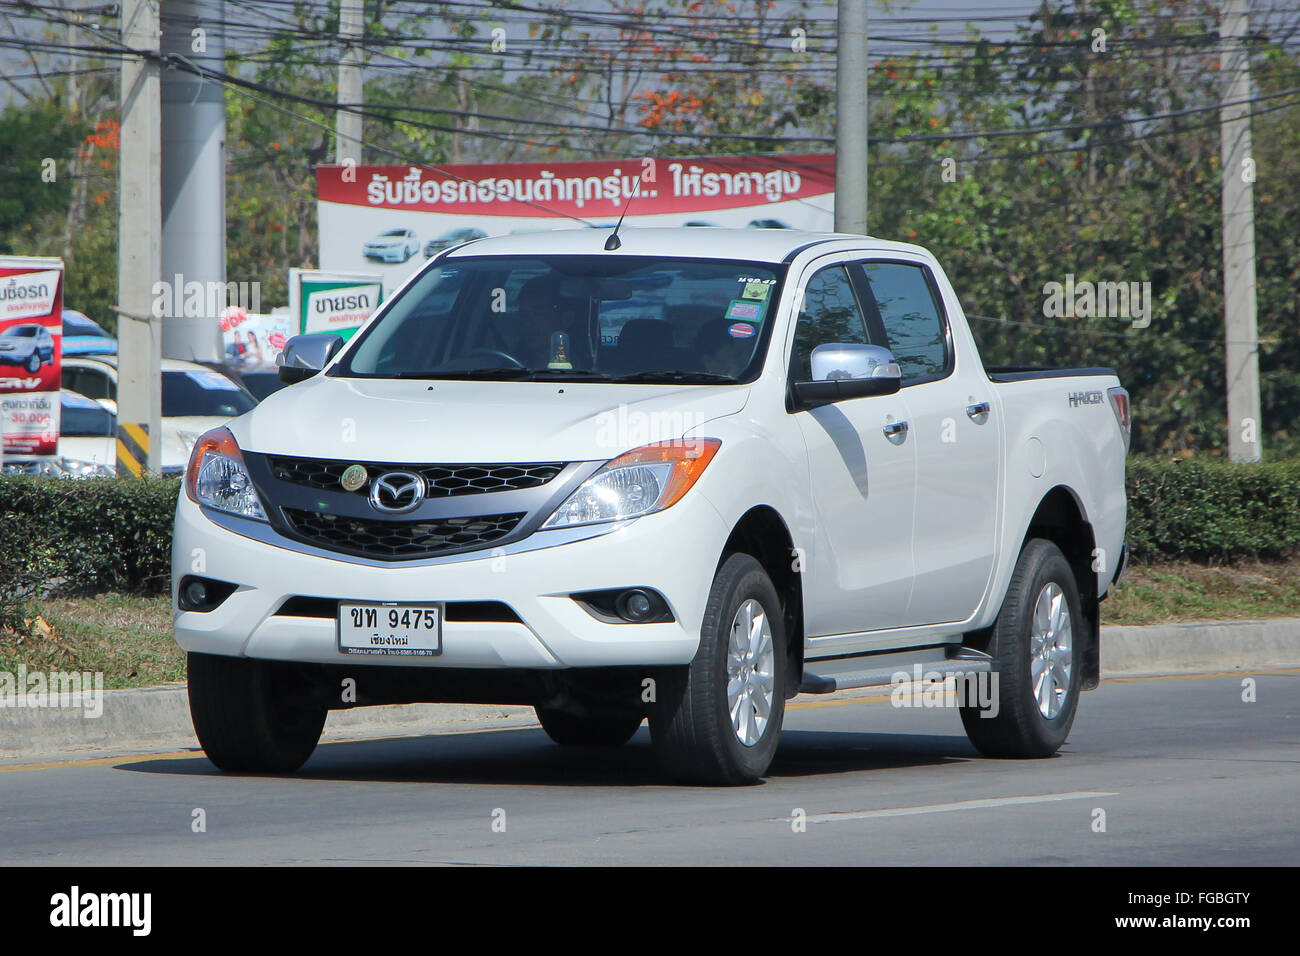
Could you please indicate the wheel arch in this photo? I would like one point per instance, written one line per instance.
(1061, 518)
(762, 533)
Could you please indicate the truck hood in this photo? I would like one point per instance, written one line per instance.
(448, 421)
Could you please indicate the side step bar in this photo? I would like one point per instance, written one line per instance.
(827, 675)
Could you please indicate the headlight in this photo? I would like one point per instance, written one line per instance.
(641, 482)
(76, 468)
(216, 476)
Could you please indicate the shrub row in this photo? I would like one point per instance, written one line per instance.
(1209, 509)
(82, 536)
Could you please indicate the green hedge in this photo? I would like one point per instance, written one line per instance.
(1209, 509)
(82, 536)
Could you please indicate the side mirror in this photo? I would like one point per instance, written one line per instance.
(842, 372)
(305, 355)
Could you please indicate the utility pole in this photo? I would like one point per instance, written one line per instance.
(1240, 332)
(347, 128)
(851, 117)
(194, 180)
(139, 259)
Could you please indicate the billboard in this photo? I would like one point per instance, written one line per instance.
(339, 302)
(390, 219)
(252, 340)
(31, 332)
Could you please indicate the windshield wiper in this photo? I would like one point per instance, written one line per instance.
(698, 378)
(505, 371)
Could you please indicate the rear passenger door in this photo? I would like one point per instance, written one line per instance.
(858, 575)
(955, 441)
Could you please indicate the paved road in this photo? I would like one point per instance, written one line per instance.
(1185, 771)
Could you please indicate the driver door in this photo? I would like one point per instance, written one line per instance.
(858, 577)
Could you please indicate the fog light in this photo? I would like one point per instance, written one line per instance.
(635, 605)
(202, 594)
(196, 593)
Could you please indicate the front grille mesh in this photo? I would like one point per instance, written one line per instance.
(442, 481)
(399, 540)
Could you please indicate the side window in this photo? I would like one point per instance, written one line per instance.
(830, 316)
(911, 317)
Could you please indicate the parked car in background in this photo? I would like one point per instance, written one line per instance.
(195, 398)
(395, 245)
(261, 382)
(82, 335)
(768, 224)
(29, 346)
(87, 437)
(453, 238)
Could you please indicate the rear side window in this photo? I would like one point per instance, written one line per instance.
(830, 316)
(912, 318)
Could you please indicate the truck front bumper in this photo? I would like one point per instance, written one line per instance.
(674, 552)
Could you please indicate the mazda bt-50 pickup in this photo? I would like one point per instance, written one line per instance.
(675, 475)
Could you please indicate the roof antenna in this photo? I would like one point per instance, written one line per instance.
(614, 242)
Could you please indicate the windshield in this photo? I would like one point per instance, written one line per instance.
(616, 318)
(206, 393)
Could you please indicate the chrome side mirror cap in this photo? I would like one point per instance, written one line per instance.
(305, 355)
(832, 363)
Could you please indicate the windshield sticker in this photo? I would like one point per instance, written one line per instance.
(741, 330)
(756, 289)
(212, 381)
(740, 309)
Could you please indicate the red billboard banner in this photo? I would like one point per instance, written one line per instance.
(390, 219)
(31, 333)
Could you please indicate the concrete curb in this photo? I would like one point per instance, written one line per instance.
(158, 718)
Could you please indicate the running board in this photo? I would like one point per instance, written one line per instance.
(877, 670)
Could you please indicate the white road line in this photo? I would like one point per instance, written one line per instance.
(840, 815)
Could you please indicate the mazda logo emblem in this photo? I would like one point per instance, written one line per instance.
(397, 491)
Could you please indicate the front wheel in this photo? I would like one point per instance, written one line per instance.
(1034, 641)
(34, 363)
(719, 721)
(253, 716)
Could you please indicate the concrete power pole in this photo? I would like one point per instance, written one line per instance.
(347, 128)
(139, 381)
(194, 181)
(1241, 336)
(851, 117)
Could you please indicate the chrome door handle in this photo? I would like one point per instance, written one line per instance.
(896, 432)
(978, 410)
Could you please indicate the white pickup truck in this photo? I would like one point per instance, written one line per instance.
(670, 474)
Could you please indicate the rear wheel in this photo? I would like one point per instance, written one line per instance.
(252, 715)
(569, 730)
(1034, 641)
(719, 721)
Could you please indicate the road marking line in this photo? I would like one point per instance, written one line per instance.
(840, 815)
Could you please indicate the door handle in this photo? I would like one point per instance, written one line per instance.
(896, 432)
(977, 411)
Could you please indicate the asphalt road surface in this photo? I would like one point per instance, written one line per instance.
(1184, 770)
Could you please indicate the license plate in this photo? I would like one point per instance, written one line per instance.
(402, 630)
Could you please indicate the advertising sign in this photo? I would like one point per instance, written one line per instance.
(252, 340)
(333, 301)
(31, 330)
(392, 218)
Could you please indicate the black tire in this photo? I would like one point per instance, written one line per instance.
(34, 363)
(1020, 729)
(691, 726)
(568, 730)
(252, 716)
